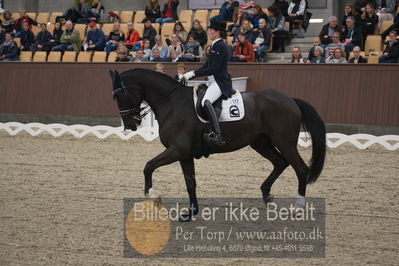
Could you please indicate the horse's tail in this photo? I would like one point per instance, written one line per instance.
(312, 123)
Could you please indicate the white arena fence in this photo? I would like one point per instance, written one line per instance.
(334, 140)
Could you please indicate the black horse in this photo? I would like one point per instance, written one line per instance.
(271, 126)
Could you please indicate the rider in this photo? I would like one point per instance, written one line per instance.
(220, 81)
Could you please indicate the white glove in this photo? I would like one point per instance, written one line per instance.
(189, 75)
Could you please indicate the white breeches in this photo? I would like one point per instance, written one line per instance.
(213, 92)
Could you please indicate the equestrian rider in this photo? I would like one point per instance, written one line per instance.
(219, 80)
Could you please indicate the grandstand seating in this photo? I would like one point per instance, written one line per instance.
(54, 57)
(18, 41)
(43, 17)
(202, 16)
(35, 29)
(139, 27)
(126, 16)
(186, 16)
(107, 28)
(69, 56)
(167, 30)
(50, 28)
(40, 57)
(373, 43)
(213, 13)
(84, 57)
(385, 24)
(99, 57)
(25, 56)
(81, 28)
(54, 15)
(112, 57)
(139, 16)
(32, 15)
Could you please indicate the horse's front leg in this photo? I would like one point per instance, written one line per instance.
(189, 176)
(170, 155)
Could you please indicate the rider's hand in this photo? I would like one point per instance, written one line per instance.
(189, 75)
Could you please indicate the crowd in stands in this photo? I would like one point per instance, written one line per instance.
(253, 31)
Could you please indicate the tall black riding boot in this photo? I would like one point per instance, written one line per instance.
(215, 137)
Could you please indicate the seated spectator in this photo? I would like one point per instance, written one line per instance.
(2, 35)
(263, 37)
(246, 28)
(360, 5)
(149, 32)
(385, 10)
(391, 51)
(318, 57)
(27, 38)
(283, 6)
(244, 51)
(328, 30)
(226, 11)
(56, 36)
(192, 50)
(349, 11)
(95, 12)
(357, 58)
(316, 43)
(368, 21)
(180, 71)
(147, 50)
(169, 13)
(175, 46)
(122, 55)
(394, 27)
(179, 30)
(258, 14)
(339, 57)
(156, 55)
(152, 11)
(18, 26)
(139, 58)
(8, 23)
(95, 38)
(163, 49)
(132, 38)
(332, 46)
(249, 9)
(42, 41)
(238, 18)
(115, 36)
(351, 35)
(296, 11)
(174, 57)
(76, 13)
(160, 68)
(279, 31)
(200, 35)
(70, 39)
(296, 56)
(9, 49)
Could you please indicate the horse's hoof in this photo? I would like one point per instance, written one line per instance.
(268, 198)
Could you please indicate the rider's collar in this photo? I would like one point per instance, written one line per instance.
(215, 41)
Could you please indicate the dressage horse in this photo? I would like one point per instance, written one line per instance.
(271, 126)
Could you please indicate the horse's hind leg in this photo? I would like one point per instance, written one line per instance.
(265, 148)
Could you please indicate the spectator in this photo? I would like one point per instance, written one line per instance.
(163, 49)
(174, 57)
(122, 55)
(360, 5)
(147, 49)
(368, 21)
(296, 56)
(149, 32)
(70, 39)
(175, 46)
(180, 71)
(316, 43)
(2, 35)
(95, 12)
(263, 37)
(351, 35)
(152, 10)
(328, 30)
(283, 6)
(160, 68)
(27, 38)
(246, 28)
(21, 21)
(169, 13)
(249, 9)
(238, 18)
(394, 27)
(391, 51)
(156, 55)
(139, 57)
(200, 35)
(332, 46)
(8, 23)
(279, 31)
(258, 14)
(179, 30)
(349, 11)
(318, 57)
(76, 13)
(226, 11)
(244, 51)
(132, 37)
(296, 10)
(56, 36)
(42, 41)
(338, 58)
(357, 58)
(385, 10)
(115, 36)
(9, 49)
(192, 50)
(95, 38)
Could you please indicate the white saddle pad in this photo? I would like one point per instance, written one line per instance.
(232, 108)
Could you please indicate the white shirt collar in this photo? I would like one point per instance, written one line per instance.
(215, 41)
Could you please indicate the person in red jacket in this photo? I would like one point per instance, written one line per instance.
(244, 50)
(132, 38)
